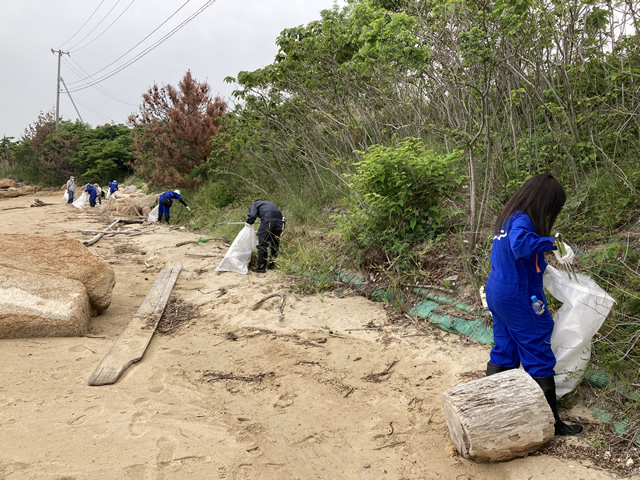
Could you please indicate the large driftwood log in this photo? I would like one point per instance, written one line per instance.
(499, 417)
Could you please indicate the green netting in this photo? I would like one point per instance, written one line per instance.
(477, 329)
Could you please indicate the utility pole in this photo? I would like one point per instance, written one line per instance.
(59, 52)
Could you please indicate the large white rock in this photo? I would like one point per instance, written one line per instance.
(60, 257)
(33, 305)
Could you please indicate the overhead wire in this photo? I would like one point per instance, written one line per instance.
(90, 17)
(110, 25)
(94, 28)
(137, 44)
(99, 88)
(143, 53)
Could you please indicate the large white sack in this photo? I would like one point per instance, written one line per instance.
(82, 201)
(584, 308)
(239, 254)
(153, 214)
(65, 197)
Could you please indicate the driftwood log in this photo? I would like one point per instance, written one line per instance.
(499, 417)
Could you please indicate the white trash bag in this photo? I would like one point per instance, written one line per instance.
(239, 254)
(65, 197)
(584, 307)
(153, 214)
(108, 196)
(82, 201)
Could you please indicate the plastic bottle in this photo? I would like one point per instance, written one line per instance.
(537, 305)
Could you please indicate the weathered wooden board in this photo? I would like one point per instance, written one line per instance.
(133, 341)
(499, 417)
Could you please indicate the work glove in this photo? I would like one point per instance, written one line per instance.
(566, 259)
(189, 208)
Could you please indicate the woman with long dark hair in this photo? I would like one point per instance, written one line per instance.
(521, 329)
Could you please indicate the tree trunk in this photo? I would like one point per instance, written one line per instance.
(499, 417)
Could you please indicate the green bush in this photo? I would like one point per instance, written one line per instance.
(398, 195)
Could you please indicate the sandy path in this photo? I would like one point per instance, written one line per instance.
(313, 415)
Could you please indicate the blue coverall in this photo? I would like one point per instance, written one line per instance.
(164, 209)
(517, 266)
(113, 186)
(93, 193)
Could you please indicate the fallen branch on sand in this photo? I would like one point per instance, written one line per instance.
(100, 235)
(377, 377)
(40, 203)
(278, 294)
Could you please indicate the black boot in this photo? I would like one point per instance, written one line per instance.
(548, 386)
(262, 262)
(493, 369)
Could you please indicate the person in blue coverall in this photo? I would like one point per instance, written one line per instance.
(269, 232)
(166, 200)
(93, 193)
(113, 186)
(522, 336)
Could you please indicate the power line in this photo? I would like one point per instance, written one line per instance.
(110, 25)
(94, 28)
(104, 68)
(90, 17)
(143, 53)
(99, 88)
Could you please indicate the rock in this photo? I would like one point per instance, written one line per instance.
(7, 182)
(9, 194)
(130, 189)
(33, 305)
(26, 190)
(60, 257)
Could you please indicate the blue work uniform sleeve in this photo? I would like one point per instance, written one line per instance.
(524, 240)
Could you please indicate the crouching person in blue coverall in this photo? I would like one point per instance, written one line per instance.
(269, 232)
(166, 200)
(522, 335)
(113, 187)
(93, 194)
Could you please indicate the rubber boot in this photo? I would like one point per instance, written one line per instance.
(548, 386)
(493, 369)
(166, 218)
(262, 263)
(159, 218)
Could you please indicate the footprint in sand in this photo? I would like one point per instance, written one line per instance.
(166, 446)
(137, 426)
(157, 381)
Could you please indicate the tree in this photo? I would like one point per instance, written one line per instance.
(104, 153)
(173, 131)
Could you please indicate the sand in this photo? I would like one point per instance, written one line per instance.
(234, 392)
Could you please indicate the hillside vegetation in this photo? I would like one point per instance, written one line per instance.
(390, 131)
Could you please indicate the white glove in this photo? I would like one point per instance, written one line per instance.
(568, 258)
(189, 208)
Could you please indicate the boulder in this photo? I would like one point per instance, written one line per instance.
(9, 194)
(26, 190)
(33, 305)
(60, 257)
(7, 182)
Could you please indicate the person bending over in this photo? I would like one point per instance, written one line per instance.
(166, 200)
(269, 232)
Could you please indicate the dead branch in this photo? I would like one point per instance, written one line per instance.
(377, 377)
(279, 308)
(100, 234)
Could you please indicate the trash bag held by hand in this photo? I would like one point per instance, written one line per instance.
(81, 202)
(584, 307)
(153, 214)
(239, 254)
(65, 197)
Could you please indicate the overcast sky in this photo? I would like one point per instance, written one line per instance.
(228, 36)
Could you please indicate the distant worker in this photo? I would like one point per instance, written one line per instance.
(113, 186)
(99, 193)
(93, 193)
(269, 232)
(71, 186)
(166, 200)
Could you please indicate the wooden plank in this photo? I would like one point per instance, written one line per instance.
(133, 341)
